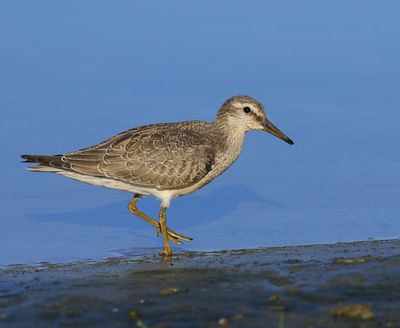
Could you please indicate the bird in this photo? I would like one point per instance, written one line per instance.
(164, 160)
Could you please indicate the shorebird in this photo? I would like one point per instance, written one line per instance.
(164, 160)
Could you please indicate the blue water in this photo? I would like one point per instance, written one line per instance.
(75, 73)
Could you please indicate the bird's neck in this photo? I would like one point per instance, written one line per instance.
(230, 136)
(229, 125)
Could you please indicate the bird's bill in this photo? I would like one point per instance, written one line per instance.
(270, 128)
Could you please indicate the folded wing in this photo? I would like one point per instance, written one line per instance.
(162, 156)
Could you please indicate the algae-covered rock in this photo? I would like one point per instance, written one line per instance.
(169, 291)
(354, 311)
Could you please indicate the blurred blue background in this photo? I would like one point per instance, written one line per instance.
(328, 73)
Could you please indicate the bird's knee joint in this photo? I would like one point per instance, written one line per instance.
(162, 220)
(162, 215)
(133, 209)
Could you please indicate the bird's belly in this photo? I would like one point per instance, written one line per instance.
(165, 195)
(120, 185)
(105, 182)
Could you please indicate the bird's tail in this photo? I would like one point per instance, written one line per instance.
(46, 163)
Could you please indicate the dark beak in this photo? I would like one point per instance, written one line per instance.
(270, 128)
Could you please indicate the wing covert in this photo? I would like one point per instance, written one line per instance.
(162, 156)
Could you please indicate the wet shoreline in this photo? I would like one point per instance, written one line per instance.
(340, 285)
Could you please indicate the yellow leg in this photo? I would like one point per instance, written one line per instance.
(172, 235)
(163, 225)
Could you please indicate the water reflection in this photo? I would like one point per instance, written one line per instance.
(333, 88)
(201, 209)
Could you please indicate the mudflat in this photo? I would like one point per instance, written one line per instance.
(340, 285)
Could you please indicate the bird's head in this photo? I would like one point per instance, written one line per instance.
(248, 114)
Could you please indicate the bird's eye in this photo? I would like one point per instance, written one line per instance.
(247, 109)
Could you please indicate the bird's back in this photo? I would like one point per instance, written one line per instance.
(162, 156)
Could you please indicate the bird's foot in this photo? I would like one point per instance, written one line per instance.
(174, 236)
(166, 253)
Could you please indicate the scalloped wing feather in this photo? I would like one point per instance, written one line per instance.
(170, 155)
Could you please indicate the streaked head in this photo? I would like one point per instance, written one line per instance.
(249, 114)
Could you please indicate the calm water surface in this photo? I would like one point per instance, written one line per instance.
(73, 74)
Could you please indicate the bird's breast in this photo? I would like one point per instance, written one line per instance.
(228, 151)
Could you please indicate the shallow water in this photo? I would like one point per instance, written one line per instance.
(328, 74)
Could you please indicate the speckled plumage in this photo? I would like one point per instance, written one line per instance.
(163, 156)
(164, 160)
